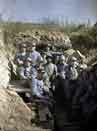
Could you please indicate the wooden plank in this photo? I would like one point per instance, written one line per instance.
(19, 90)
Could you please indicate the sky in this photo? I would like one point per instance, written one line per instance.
(37, 10)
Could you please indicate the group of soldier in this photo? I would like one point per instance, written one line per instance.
(40, 70)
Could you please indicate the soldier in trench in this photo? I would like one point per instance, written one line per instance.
(40, 93)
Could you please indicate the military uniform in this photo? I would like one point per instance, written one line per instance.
(51, 71)
(50, 68)
(21, 55)
(19, 61)
(61, 69)
(20, 58)
(36, 57)
(72, 70)
(39, 93)
(37, 86)
(25, 69)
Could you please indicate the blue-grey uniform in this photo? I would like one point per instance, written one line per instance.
(37, 87)
(36, 57)
(19, 61)
(61, 66)
(50, 69)
(38, 91)
(39, 82)
(34, 71)
(26, 70)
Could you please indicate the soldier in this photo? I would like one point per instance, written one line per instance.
(20, 58)
(50, 68)
(41, 97)
(71, 72)
(34, 67)
(61, 67)
(51, 71)
(25, 72)
(48, 50)
(35, 56)
(21, 55)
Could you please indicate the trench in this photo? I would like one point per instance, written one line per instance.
(24, 92)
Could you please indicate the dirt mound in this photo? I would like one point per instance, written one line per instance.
(42, 37)
(14, 114)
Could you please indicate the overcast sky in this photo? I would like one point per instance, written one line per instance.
(35, 10)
